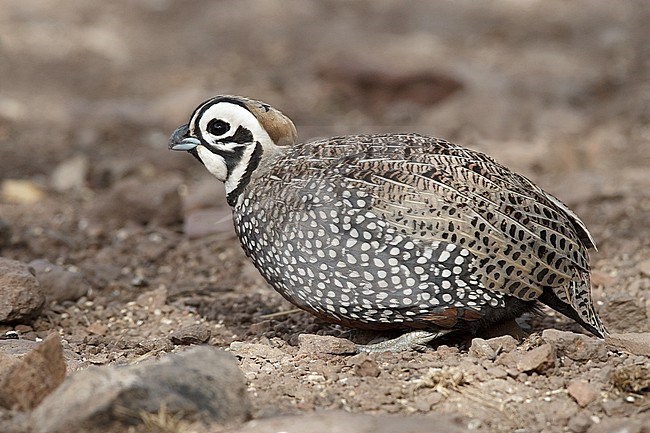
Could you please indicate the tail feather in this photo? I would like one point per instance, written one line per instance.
(575, 302)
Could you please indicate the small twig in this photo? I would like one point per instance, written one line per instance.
(280, 313)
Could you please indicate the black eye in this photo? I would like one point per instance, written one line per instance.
(218, 127)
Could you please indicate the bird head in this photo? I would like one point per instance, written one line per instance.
(230, 135)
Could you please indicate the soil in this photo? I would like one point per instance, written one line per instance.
(90, 91)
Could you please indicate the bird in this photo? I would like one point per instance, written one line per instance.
(396, 231)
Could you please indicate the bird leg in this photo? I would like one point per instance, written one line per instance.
(410, 340)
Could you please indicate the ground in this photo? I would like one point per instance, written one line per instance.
(558, 91)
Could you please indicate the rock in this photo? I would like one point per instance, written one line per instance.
(70, 174)
(626, 313)
(340, 421)
(57, 283)
(28, 380)
(192, 334)
(644, 267)
(21, 299)
(364, 365)
(142, 201)
(579, 423)
(152, 299)
(539, 359)
(578, 347)
(481, 349)
(319, 344)
(20, 191)
(504, 343)
(582, 392)
(491, 348)
(202, 384)
(635, 343)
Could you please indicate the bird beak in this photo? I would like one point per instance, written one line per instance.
(180, 140)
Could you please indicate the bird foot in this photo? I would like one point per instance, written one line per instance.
(411, 340)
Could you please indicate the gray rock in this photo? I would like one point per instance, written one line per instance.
(202, 384)
(340, 422)
(21, 299)
(578, 347)
(192, 334)
(57, 283)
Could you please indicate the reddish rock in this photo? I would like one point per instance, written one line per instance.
(26, 381)
(582, 392)
(539, 359)
(21, 298)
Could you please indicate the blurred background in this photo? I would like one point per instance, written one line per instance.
(89, 92)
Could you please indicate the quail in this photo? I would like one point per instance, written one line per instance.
(391, 231)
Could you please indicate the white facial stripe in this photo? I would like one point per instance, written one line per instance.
(214, 163)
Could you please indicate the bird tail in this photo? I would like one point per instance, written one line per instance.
(574, 301)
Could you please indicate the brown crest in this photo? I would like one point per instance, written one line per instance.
(279, 127)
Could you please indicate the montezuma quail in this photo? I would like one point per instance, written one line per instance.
(394, 231)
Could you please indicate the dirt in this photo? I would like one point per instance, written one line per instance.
(559, 91)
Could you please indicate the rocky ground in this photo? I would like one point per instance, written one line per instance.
(132, 252)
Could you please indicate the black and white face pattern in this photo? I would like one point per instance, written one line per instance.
(227, 138)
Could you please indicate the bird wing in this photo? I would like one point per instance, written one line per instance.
(433, 191)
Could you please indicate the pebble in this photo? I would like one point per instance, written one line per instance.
(582, 392)
(364, 365)
(70, 174)
(192, 334)
(578, 347)
(58, 284)
(539, 359)
(481, 349)
(22, 299)
(20, 191)
(26, 381)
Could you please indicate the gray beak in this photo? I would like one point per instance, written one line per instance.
(179, 140)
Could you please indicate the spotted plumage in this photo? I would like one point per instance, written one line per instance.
(391, 231)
